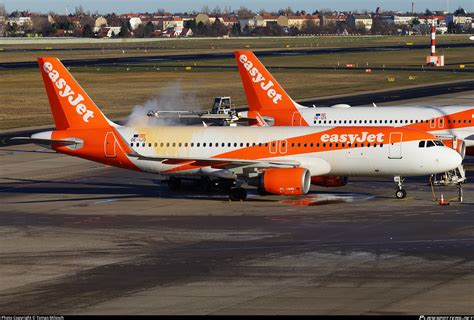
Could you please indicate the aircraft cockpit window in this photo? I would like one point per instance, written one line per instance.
(421, 144)
(430, 143)
(438, 143)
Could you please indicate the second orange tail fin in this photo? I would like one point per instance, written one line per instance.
(262, 90)
(72, 108)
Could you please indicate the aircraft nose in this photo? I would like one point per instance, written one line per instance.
(451, 159)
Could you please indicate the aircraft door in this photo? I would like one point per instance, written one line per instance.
(297, 120)
(273, 147)
(395, 145)
(441, 122)
(110, 145)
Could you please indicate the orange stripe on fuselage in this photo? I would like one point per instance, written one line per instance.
(263, 152)
(458, 120)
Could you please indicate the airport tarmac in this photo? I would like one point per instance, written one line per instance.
(82, 238)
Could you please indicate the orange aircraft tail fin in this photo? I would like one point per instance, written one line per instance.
(263, 92)
(72, 108)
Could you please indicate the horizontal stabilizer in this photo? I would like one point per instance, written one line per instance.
(44, 141)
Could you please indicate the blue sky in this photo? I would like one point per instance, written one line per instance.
(121, 6)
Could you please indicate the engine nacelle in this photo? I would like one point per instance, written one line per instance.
(329, 182)
(456, 144)
(284, 181)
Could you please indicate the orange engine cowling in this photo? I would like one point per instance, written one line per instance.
(329, 182)
(456, 144)
(284, 181)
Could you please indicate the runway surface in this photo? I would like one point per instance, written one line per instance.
(79, 237)
(206, 56)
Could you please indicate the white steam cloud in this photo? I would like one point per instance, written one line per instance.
(171, 98)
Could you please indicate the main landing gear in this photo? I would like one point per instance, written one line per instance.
(400, 193)
(174, 183)
(237, 194)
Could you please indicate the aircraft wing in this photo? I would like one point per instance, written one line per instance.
(223, 163)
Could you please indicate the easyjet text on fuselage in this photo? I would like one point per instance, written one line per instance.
(353, 137)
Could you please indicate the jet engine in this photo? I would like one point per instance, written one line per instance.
(284, 181)
(329, 182)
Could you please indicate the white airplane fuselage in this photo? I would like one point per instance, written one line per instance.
(439, 121)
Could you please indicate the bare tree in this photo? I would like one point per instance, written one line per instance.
(206, 9)
(309, 26)
(325, 11)
(287, 11)
(3, 11)
(139, 32)
(217, 11)
(245, 13)
(79, 11)
(41, 25)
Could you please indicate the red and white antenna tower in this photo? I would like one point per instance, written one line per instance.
(433, 59)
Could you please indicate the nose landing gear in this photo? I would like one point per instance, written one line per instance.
(451, 178)
(400, 193)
